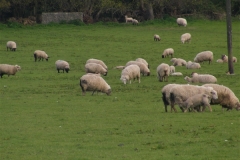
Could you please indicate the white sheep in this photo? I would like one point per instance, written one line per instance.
(143, 61)
(128, 19)
(186, 37)
(179, 62)
(225, 58)
(219, 61)
(62, 65)
(156, 37)
(92, 82)
(9, 69)
(119, 67)
(11, 45)
(182, 22)
(38, 54)
(163, 71)
(204, 56)
(143, 68)
(226, 97)
(134, 22)
(98, 61)
(129, 73)
(168, 52)
(193, 65)
(172, 69)
(176, 74)
(95, 68)
(201, 78)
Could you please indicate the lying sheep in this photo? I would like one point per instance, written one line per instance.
(129, 73)
(226, 97)
(201, 78)
(38, 54)
(225, 58)
(182, 22)
(134, 22)
(167, 52)
(11, 45)
(193, 65)
(143, 61)
(176, 74)
(98, 61)
(119, 67)
(156, 37)
(219, 61)
(92, 82)
(179, 62)
(172, 69)
(62, 65)
(143, 68)
(128, 19)
(204, 56)
(95, 68)
(9, 69)
(186, 37)
(163, 71)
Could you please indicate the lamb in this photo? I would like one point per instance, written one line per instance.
(129, 73)
(62, 65)
(204, 56)
(92, 60)
(128, 19)
(156, 37)
(143, 68)
(163, 71)
(134, 22)
(172, 69)
(176, 74)
(143, 61)
(11, 45)
(92, 82)
(182, 22)
(167, 52)
(219, 61)
(186, 37)
(193, 65)
(201, 78)
(226, 97)
(9, 69)
(38, 54)
(95, 68)
(225, 58)
(179, 62)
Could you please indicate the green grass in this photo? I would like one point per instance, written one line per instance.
(43, 114)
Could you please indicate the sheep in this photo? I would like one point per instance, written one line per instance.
(201, 78)
(182, 22)
(98, 61)
(129, 73)
(119, 67)
(9, 69)
(219, 61)
(62, 65)
(163, 71)
(143, 61)
(172, 69)
(180, 93)
(95, 68)
(176, 74)
(226, 97)
(128, 19)
(92, 82)
(156, 37)
(193, 65)
(143, 68)
(11, 45)
(204, 56)
(179, 62)
(134, 22)
(186, 37)
(225, 58)
(173, 60)
(167, 52)
(38, 54)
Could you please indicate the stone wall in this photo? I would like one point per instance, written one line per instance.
(61, 16)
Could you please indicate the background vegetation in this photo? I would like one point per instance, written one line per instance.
(44, 115)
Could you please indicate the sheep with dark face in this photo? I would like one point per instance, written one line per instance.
(62, 65)
(156, 37)
(40, 55)
(9, 69)
(168, 52)
(11, 45)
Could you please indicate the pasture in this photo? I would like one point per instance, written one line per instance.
(44, 115)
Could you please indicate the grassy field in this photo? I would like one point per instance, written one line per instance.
(43, 114)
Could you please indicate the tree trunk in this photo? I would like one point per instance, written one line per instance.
(150, 11)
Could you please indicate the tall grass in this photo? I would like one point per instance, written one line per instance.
(44, 115)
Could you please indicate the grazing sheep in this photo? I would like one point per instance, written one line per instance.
(167, 52)
(129, 73)
(143, 61)
(156, 37)
(62, 65)
(176, 74)
(226, 97)
(193, 65)
(143, 68)
(180, 93)
(9, 69)
(186, 37)
(172, 69)
(11, 45)
(95, 68)
(134, 22)
(98, 62)
(38, 54)
(92, 82)
(179, 62)
(182, 22)
(204, 56)
(163, 71)
(225, 58)
(201, 78)
(128, 19)
(173, 60)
